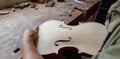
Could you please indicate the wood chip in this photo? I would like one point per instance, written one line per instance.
(50, 4)
(32, 5)
(4, 12)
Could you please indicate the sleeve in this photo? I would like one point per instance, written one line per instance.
(112, 52)
(113, 13)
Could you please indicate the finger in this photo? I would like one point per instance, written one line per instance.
(27, 35)
(36, 29)
(28, 32)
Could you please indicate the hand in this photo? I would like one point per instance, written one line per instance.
(28, 47)
(31, 35)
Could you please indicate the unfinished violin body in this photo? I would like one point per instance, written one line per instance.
(86, 37)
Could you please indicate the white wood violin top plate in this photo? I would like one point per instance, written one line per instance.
(87, 37)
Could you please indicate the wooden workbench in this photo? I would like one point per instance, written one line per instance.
(13, 24)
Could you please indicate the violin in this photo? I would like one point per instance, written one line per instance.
(86, 37)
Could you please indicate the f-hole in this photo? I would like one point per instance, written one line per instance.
(56, 42)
